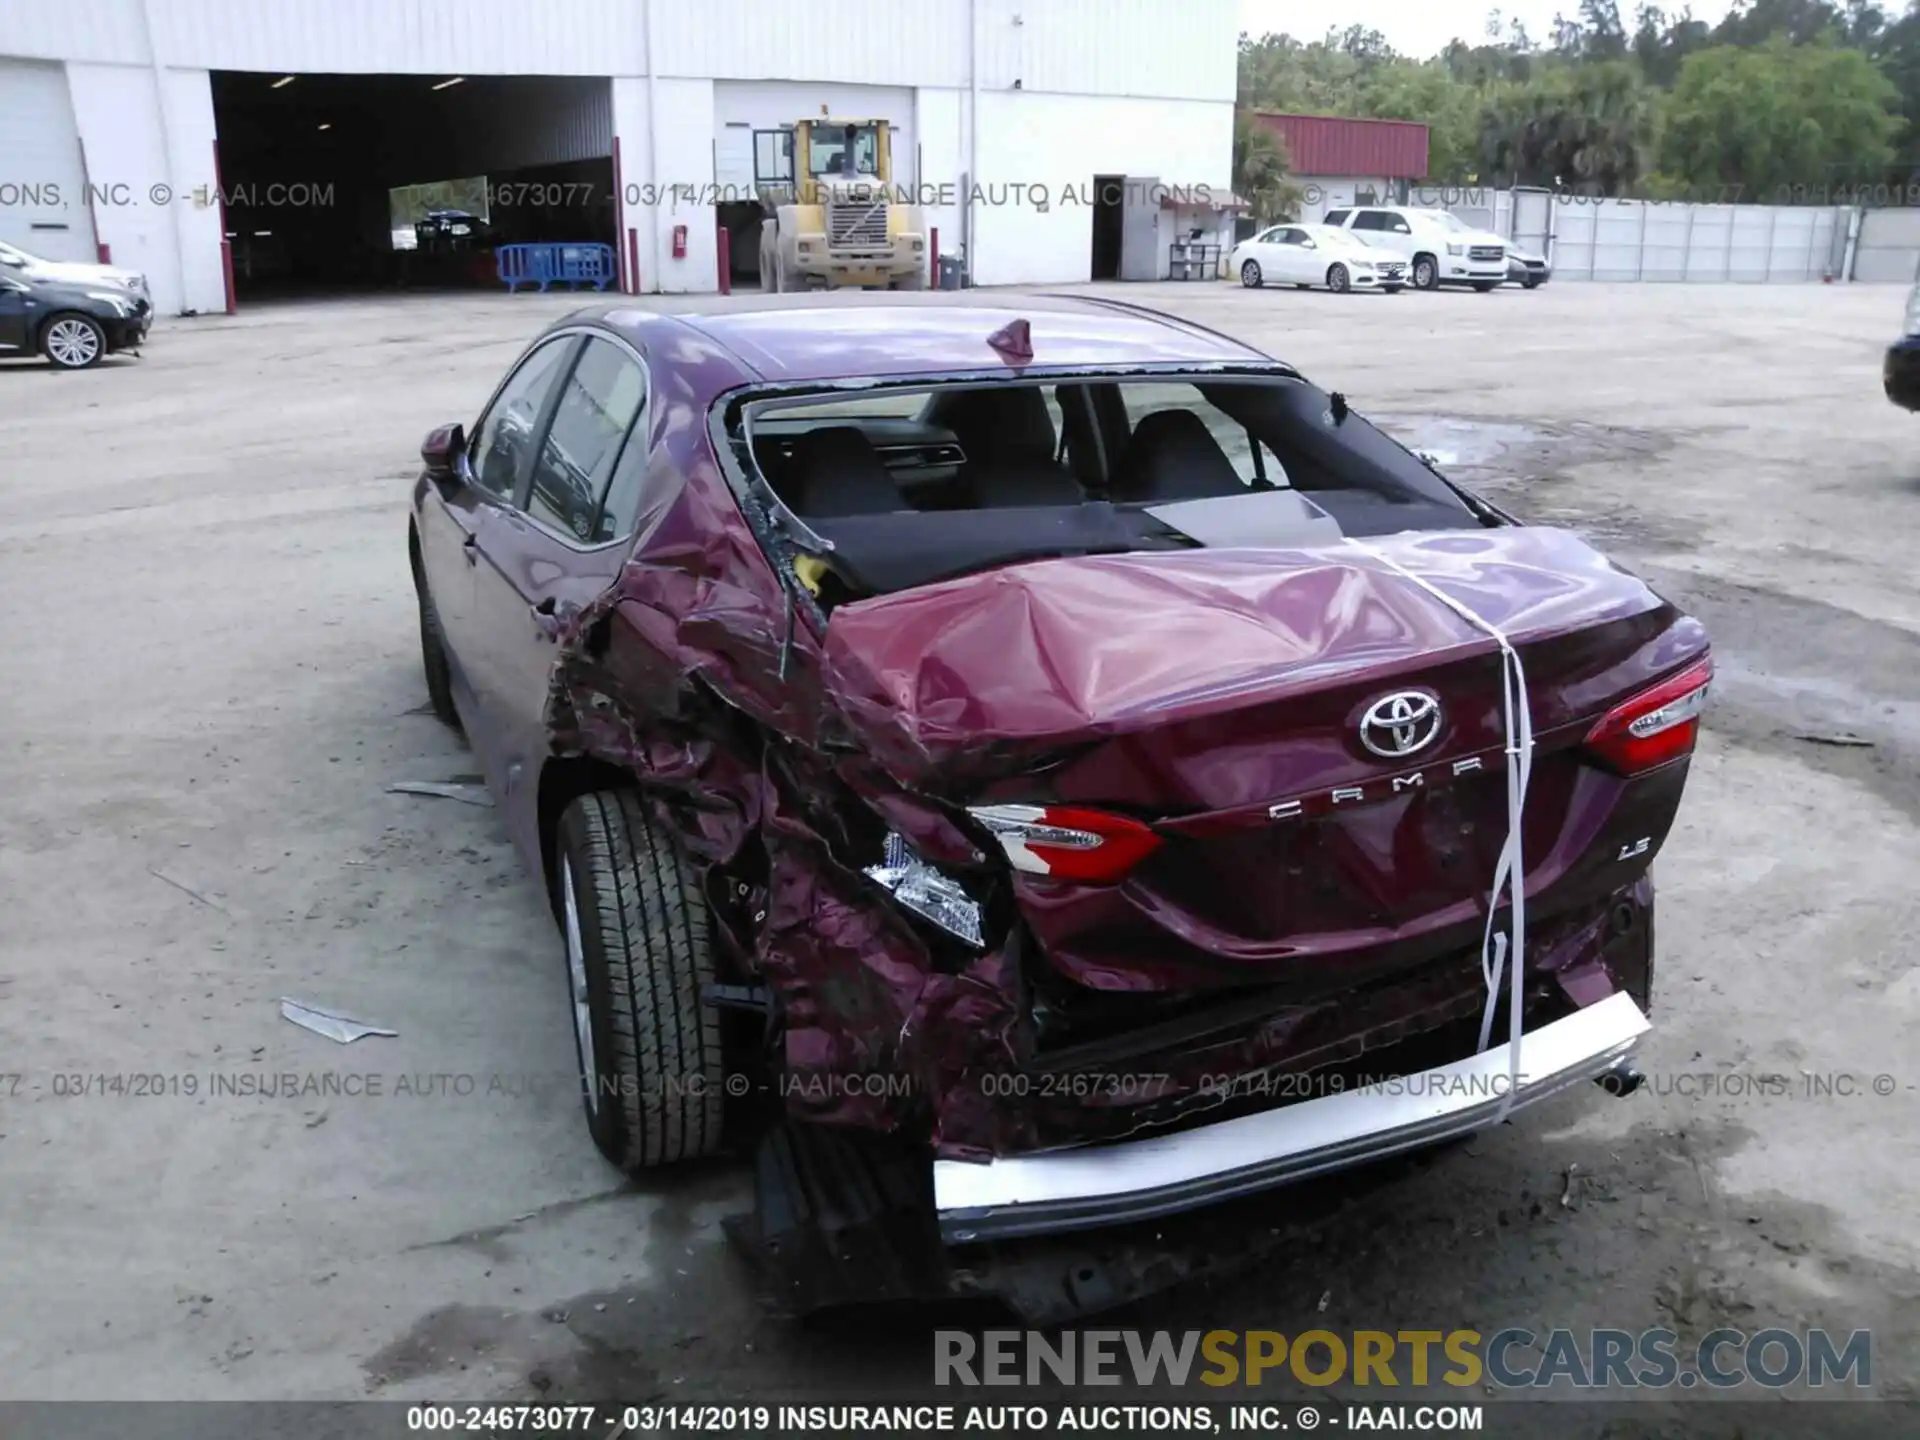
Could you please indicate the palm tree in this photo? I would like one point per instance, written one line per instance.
(1260, 167)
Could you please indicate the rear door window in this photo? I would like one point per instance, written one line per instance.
(599, 402)
(1337, 217)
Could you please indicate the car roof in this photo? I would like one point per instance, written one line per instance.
(789, 339)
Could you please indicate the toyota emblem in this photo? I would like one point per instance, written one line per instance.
(1400, 724)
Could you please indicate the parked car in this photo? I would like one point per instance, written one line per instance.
(1900, 370)
(18, 263)
(1309, 255)
(1527, 268)
(1060, 751)
(1441, 247)
(72, 323)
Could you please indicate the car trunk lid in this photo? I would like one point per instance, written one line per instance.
(1259, 710)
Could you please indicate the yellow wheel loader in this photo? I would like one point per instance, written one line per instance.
(834, 217)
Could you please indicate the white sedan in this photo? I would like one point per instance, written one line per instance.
(1307, 255)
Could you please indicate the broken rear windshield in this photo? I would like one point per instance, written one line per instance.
(903, 486)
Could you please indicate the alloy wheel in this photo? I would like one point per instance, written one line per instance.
(72, 344)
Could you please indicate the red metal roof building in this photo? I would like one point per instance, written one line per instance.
(1336, 145)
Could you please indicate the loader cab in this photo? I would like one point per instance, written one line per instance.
(836, 152)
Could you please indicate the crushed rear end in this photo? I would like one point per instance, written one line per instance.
(1116, 857)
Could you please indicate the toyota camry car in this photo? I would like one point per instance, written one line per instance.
(1308, 255)
(74, 324)
(1059, 746)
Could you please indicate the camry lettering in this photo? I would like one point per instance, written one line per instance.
(1378, 790)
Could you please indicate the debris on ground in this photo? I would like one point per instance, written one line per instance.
(329, 1023)
(466, 794)
(1851, 741)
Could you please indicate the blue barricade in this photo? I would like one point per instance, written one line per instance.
(544, 265)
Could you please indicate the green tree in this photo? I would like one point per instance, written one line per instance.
(1261, 172)
(1586, 127)
(1779, 121)
(1427, 91)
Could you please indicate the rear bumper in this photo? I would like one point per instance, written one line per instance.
(1137, 1180)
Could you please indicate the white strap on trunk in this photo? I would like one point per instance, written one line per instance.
(1496, 950)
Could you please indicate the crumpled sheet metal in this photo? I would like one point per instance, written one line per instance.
(951, 681)
(675, 674)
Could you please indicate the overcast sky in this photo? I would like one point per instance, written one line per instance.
(1423, 27)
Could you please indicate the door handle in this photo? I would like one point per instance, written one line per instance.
(470, 547)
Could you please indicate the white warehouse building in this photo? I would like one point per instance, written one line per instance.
(239, 146)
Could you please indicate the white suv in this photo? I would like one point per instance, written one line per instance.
(1442, 248)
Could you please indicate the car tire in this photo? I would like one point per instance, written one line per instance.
(1426, 272)
(1486, 287)
(1338, 280)
(1532, 282)
(636, 929)
(72, 341)
(433, 656)
(1250, 275)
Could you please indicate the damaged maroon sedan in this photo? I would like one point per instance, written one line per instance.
(1060, 744)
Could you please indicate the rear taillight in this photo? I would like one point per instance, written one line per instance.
(1068, 843)
(1657, 725)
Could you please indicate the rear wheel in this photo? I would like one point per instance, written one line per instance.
(1338, 280)
(1250, 275)
(638, 954)
(1426, 273)
(1532, 282)
(73, 341)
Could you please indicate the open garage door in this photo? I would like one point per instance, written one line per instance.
(359, 182)
(43, 192)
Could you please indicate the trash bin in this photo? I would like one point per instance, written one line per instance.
(953, 272)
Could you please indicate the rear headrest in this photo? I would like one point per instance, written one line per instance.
(1173, 456)
(836, 471)
(998, 423)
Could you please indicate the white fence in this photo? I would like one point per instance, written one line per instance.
(1589, 238)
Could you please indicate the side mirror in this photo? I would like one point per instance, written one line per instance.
(442, 448)
(14, 260)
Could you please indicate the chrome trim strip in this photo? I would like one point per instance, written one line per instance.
(1139, 1179)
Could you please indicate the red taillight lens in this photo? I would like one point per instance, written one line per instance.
(1068, 843)
(1655, 726)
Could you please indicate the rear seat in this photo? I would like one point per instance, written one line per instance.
(1009, 441)
(835, 471)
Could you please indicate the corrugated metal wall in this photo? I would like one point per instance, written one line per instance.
(1143, 48)
(346, 37)
(1647, 240)
(862, 42)
(1889, 246)
(1336, 146)
(1183, 49)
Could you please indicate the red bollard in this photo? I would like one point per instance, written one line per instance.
(723, 253)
